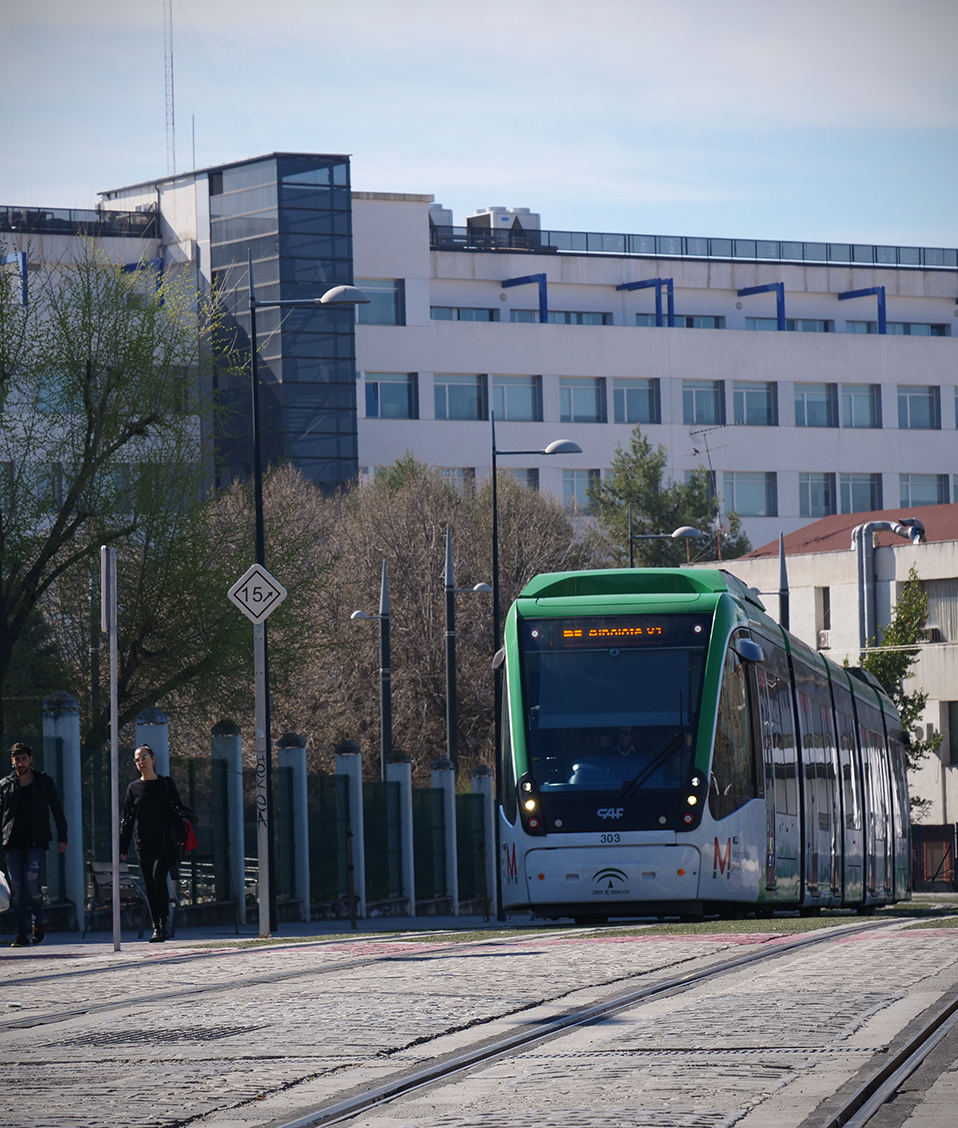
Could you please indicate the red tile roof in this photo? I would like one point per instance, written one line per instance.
(834, 534)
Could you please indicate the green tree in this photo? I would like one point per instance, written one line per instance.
(637, 478)
(101, 430)
(891, 664)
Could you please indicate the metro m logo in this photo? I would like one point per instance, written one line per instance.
(722, 863)
(512, 870)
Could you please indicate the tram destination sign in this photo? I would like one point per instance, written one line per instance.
(257, 594)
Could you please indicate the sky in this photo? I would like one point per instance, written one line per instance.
(827, 120)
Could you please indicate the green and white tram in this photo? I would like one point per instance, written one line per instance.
(668, 749)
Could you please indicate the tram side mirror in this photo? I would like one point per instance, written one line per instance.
(499, 658)
(748, 650)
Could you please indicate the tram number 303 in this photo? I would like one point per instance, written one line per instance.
(609, 838)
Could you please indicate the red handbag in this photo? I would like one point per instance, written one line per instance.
(191, 840)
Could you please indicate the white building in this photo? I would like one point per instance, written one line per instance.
(773, 376)
(826, 596)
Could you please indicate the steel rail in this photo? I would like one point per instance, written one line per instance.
(28, 1021)
(350, 1107)
(868, 1098)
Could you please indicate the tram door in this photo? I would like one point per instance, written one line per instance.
(877, 867)
(850, 793)
(781, 790)
(822, 860)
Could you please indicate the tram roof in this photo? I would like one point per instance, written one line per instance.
(638, 581)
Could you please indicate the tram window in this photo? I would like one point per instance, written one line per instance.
(734, 780)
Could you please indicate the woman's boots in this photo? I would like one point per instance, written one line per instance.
(159, 932)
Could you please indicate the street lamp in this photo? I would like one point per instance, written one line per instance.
(385, 676)
(559, 446)
(683, 532)
(337, 296)
(452, 712)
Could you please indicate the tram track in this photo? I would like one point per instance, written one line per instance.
(861, 1105)
(31, 1021)
(449, 1068)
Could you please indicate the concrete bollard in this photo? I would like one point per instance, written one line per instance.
(292, 754)
(349, 762)
(61, 720)
(227, 747)
(399, 770)
(153, 728)
(443, 776)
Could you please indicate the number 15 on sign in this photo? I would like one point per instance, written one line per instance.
(257, 594)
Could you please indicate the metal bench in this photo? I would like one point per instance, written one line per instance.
(101, 893)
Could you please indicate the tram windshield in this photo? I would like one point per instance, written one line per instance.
(611, 703)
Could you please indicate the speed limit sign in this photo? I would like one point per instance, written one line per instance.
(257, 594)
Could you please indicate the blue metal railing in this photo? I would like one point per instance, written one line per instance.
(684, 246)
(79, 221)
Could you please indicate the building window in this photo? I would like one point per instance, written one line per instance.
(703, 401)
(461, 478)
(898, 328)
(792, 324)
(919, 408)
(816, 405)
(460, 397)
(751, 494)
(391, 395)
(860, 493)
(683, 321)
(527, 478)
(755, 403)
(517, 397)
(636, 401)
(581, 399)
(924, 489)
(561, 317)
(575, 489)
(387, 301)
(816, 495)
(693, 475)
(461, 313)
(861, 405)
(915, 329)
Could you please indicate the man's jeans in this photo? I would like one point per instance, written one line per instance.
(26, 893)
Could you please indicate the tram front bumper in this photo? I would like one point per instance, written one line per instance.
(605, 876)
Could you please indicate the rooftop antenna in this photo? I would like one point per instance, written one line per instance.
(168, 66)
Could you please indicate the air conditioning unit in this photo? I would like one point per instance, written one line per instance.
(824, 640)
(440, 216)
(505, 219)
(929, 634)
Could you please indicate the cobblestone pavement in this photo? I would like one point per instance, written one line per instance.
(256, 1036)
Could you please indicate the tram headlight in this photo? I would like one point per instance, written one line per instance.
(529, 804)
(695, 781)
(526, 786)
(692, 800)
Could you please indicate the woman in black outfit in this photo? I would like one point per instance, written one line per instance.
(154, 809)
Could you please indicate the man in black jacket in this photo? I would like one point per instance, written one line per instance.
(27, 798)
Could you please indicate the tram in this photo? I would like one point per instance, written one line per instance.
(668, 749)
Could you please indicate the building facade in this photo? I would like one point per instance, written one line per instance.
(808, 379)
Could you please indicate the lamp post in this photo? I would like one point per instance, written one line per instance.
(385, 676)
(337, 296)
(683, 532)
(559, 446)
(452, 710)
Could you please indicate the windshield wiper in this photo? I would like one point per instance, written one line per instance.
(653, 766)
